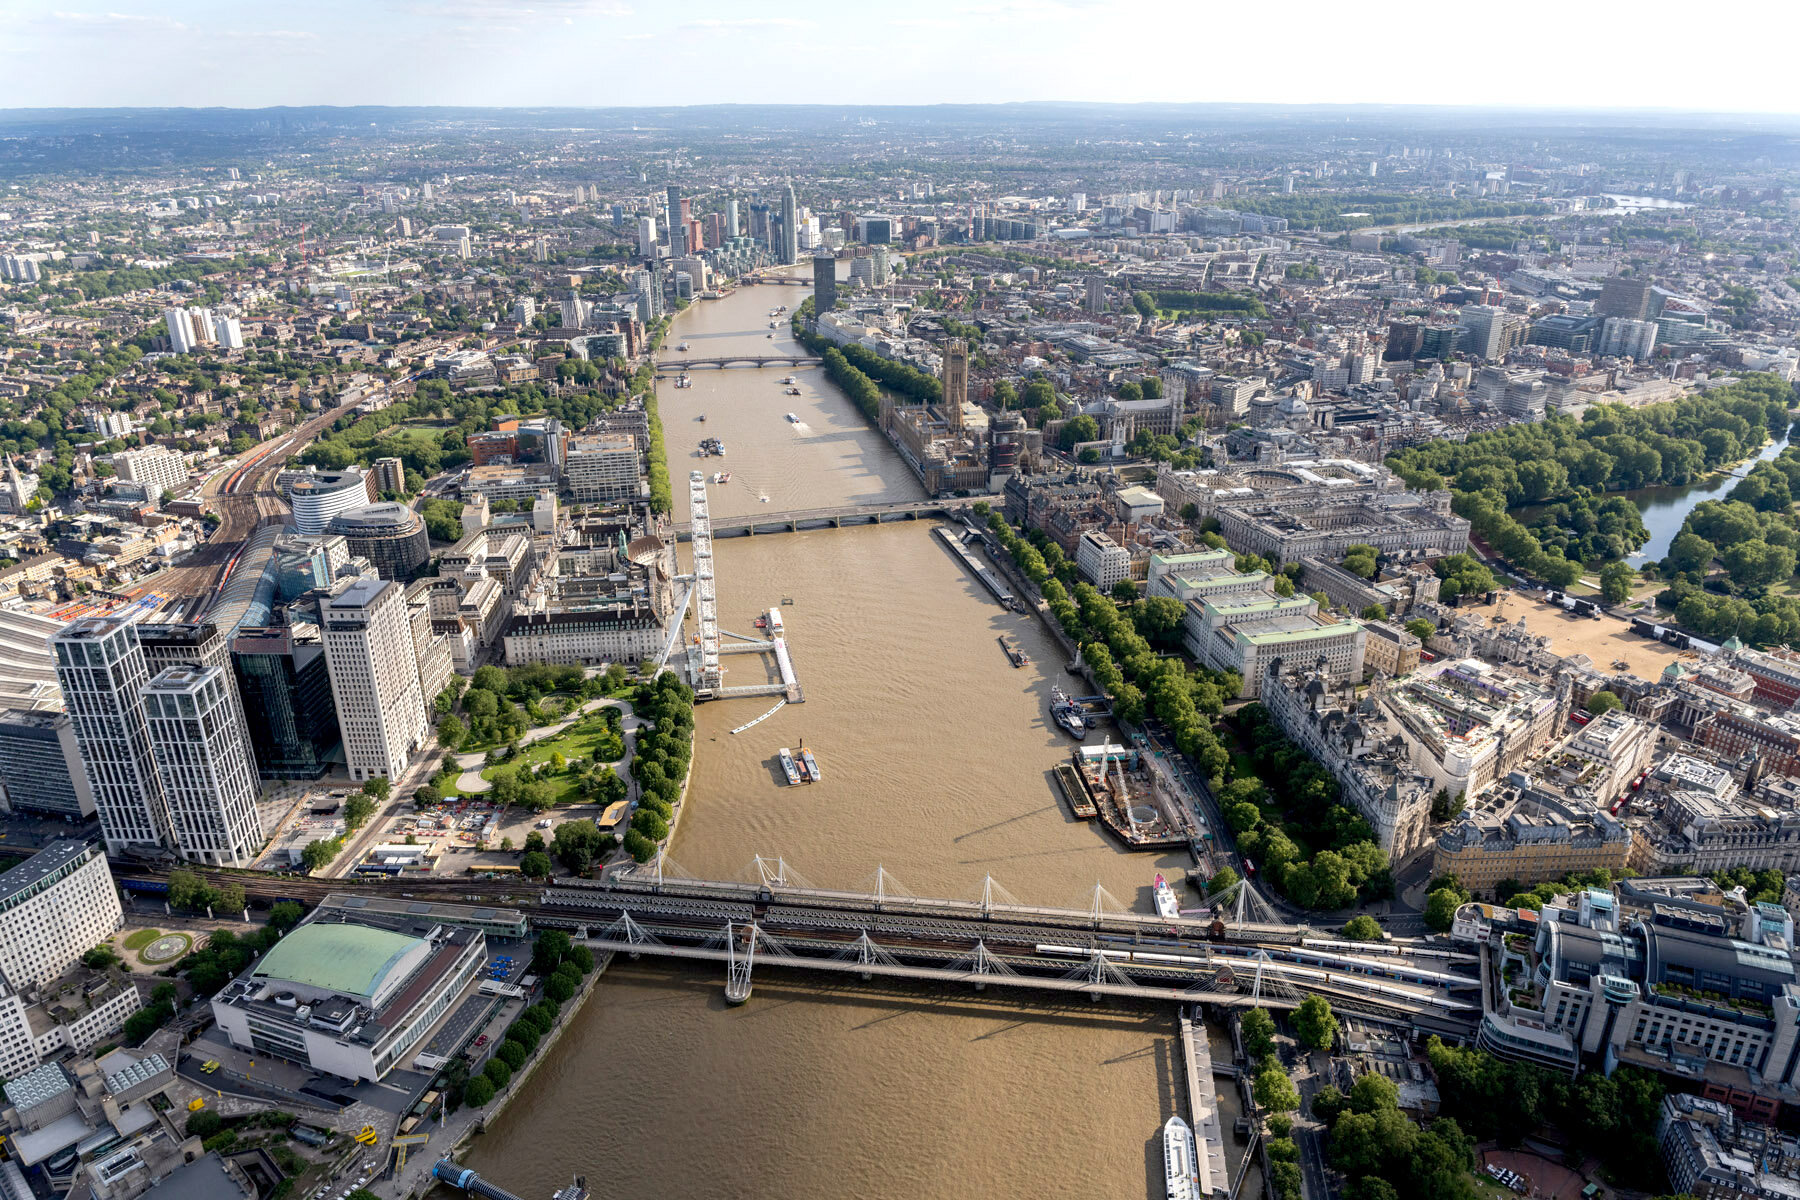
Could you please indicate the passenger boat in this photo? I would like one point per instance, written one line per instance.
(1168, 906)
(774, 618)
(1068, 714)
(810, 764)
(682, 347)
(1181, 1179)
(722, 477)
(788, 768)
(793, 391)
(787, 379)
(792, 419)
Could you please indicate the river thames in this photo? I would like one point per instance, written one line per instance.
(936, 756)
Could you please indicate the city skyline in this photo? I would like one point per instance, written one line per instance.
(608, 52)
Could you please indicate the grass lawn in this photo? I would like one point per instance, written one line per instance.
(137, 939)
(579, 741)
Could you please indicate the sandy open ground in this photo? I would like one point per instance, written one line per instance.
(1602, 640)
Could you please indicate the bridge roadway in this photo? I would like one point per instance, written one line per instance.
(794, 520)
(736, 362)
(1097, 952)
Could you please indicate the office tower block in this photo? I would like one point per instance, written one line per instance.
(55, 907)
(374, 677)
(1624, 296)
(956, 382)
(157, 469)
(732, 228)
(101, 669)
(286, 688)
(678, 240)
(1485, 326)
(824, 283)
(1627, 338)
(790, 227)
(1096, 293)
(524, 310)
(646, 237)
(40, 765)
(202, 754)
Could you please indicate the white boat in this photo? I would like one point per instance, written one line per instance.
(1182, 1181)
(1168, 907)
(682, 346)
(788, 768)
(792, 419)
(774, 621)
(810, 764)
(787, 379)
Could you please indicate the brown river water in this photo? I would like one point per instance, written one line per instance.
(936, 756)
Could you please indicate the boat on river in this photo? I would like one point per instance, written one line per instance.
(1068, 714)
(682, 347)
(809, 764)
(1168, 907)
(788, 768)
(793, 419)
(1181, 1180)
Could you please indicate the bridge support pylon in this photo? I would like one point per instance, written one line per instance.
(739, 964)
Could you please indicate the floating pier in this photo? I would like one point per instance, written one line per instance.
(1203, 1109)
(1068, 781)
(789, 685)
(982, 571)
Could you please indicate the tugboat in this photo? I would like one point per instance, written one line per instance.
(788, 768)
(1068, 714)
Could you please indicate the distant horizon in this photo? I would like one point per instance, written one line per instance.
(494, 54)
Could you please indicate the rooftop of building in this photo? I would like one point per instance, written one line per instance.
(350, 958)
(40, 866)
(358, 593)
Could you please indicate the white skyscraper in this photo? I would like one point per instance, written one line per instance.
(181, 330)
(203, 759)
(102, 672)
(374, 677)
(229, 332)
(646, 237)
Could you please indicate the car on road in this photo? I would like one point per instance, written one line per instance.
(481, 1041)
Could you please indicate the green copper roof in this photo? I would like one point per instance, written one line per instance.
(352, 959)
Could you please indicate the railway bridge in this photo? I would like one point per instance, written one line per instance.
(794, 520)
(777, 920)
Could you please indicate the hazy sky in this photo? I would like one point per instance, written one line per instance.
(1721, 56)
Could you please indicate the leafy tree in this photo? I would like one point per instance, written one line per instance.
(357, 811)
(1362, 928)
(1125, 592)
(1079, 428)
(1222, 881)
(229, 898)
(1274, 1091)
(1603, 702)
(1314, 1023)
(535, 866)
(188, 891)
(317, 854)
(285, 915)
(1440, 908)
(1615, 582)
(1444, 806)
(552, 946)
(1420, 628)
(559, 989)
(1374, 612)
(497, 1072)
(513, 1054)
(1258, 1030)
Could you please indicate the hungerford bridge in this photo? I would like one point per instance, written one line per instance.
(774, 919)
